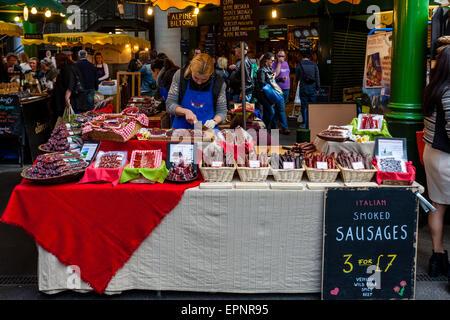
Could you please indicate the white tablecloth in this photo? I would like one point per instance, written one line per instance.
(238, 241)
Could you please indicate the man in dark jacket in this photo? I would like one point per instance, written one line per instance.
(235, 76)
(89, 73)
(307, 72)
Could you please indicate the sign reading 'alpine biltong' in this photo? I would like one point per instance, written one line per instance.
(369, 244)
(239, 19)
(182, 20)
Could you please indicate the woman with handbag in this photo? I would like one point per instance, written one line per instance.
(266, 86)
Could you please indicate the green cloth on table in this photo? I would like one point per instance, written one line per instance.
(157, 175)
(384, 133)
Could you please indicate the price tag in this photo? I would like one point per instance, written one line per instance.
(217, 164)
(288, 165)
(255, 164)
(322, 165)
(358, 165)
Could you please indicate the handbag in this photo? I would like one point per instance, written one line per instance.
(271, 94)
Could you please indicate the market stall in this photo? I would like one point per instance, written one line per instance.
(207, 214)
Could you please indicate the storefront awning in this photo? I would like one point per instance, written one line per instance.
(182, 4)
(10, 29)
(52, 5)
(93, 38)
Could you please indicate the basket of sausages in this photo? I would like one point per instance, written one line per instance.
(216, 165)
(253, 167)
(320, 167)
(287, 167)
(355, 167)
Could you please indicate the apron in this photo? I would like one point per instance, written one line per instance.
(200, 103)
(100, 72)
(163, 93)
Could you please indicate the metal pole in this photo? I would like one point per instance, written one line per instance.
(244, 107)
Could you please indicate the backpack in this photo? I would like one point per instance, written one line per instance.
(307, 79)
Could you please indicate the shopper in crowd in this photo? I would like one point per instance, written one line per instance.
(307, 72)
(160, 56)
(266, 75)
(222, 71)
(282, 72)
(157, 67)
(235, 76)
(197, 95)
(148, 83)
(436, 157)
(24, 62)
(12, 62)
(36, 67)
(48, 54)
(68, 86)
(89, 74)
(50, 72)
(102, 67)
(153, 56)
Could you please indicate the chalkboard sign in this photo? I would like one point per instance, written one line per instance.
(10, 115)
(239, 20)
(369, 244)
(324, 95)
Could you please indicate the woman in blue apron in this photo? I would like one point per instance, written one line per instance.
(197, 95)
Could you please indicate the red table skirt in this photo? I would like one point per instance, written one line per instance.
(96, 227)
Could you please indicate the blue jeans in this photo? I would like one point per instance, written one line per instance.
(307, 94)
(268, 111)
(280, 114)
(90, 94)
(236, 99)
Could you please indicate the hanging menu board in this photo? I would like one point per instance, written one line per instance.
(10, 115)
(369, 244)
(239, 20)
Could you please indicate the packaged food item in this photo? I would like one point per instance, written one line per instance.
(181, 172)
(253, 160)
(354, 161)
(215, 156)
(111, 159)
(370, 122)
(289, 160)
(57, 164)
(147, 159)
(320, 161)
(63, 138)
(391, 164)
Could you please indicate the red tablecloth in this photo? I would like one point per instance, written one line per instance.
(96, 227)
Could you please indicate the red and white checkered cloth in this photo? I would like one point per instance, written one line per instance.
(124, 132)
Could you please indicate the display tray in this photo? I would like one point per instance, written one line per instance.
(181, 182)
(74, 176)
(329, 138)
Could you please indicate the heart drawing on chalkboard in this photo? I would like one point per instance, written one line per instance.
(335, 291)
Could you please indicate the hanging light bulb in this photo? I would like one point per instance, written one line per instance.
(274, 13)
(33, 10)
(48, 13)
(16, 19)
(197, 10)
(62, 14)
(69, 22)
(149, 11)
(25, 13)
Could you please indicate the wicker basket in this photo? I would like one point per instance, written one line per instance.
(288, 175)
(396, 183)
(319, 175)
(253, 174)
(223, 174)
(350, 175)
(112, 136)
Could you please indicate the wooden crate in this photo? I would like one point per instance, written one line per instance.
(160, 121)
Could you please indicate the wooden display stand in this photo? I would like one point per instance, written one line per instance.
(121, 75)
(160, 121)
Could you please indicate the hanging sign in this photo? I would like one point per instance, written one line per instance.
(239, 20)
(369, 244)
(182, 20)
(34, 36)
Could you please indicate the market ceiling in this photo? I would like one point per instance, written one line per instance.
(182, 4)
(52, 5)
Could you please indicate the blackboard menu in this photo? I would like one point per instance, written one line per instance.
(239, 19)
(323, 95)
(10, 115)
(369, 244)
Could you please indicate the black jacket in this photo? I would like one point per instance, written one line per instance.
(235, 77)
(89, 73)
(263, 76)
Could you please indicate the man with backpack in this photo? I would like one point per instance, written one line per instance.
(307, 72)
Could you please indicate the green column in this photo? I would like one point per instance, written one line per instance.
(408, 74)
(30, 50)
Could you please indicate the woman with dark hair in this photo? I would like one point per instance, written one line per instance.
(436, 157)
(102, 67)
(265, 75)
(166, 76)
(68, 88)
